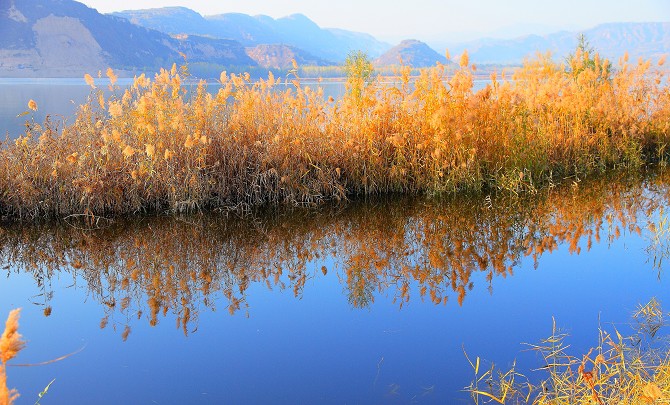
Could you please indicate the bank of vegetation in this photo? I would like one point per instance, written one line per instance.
(161, 145)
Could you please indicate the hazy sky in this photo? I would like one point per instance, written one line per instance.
(428, 19)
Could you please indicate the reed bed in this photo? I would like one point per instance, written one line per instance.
(157, 147)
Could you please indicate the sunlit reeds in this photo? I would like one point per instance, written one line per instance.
(157, 147)
(10, 345)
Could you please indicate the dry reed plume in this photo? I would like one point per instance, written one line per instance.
(153, 147)
(10, 345)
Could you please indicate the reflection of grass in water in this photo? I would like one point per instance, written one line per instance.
(434, 251)
(379, 369)
(394, 389)
(659, 242)
(620, 369)
(425, 391)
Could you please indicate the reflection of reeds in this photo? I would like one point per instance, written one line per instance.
(153, 148)
(10, 345)
(618, 370)
(659, 246)
(431, 251)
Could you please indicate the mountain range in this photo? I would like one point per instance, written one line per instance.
(65, 38)
(50, 38)
(413, 53)
(282, 57)
(612, 40)
(295, 30)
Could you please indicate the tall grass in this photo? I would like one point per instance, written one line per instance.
(153, 147)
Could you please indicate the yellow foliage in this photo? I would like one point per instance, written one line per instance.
(128, 151)
(89, 80)
(432, 134)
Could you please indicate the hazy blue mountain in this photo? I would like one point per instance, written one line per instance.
(360, 41)
(411, 53)
(282, 57)
(173, 20)
(244, 28)
(294, 30)
(65, 38)
(612, 40)
(199, 49)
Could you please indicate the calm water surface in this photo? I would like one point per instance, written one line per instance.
(369, 303)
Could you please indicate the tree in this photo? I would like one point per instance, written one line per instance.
(359, 71)
(585, 57)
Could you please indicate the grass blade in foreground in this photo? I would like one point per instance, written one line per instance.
(10, 345)
(618, 370)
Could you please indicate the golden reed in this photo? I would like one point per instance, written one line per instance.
(10, 345)
(157, 147)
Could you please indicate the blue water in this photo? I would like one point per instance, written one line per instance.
(312, 345)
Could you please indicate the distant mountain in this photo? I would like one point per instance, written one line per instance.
(646, 40)
(294, 30)
(411, 53)
(358, 41)
(66, 38)
(282, 57)
(206, 50)
(170, 20)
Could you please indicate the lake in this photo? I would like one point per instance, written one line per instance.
(374, 301)
(370, 302)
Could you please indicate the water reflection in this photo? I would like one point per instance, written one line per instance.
(404, 248)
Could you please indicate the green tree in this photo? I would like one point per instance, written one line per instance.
(585, 57)
(359, 71)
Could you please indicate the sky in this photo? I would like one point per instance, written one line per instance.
(429, 19)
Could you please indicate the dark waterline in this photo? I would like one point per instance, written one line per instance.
(209, 309)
